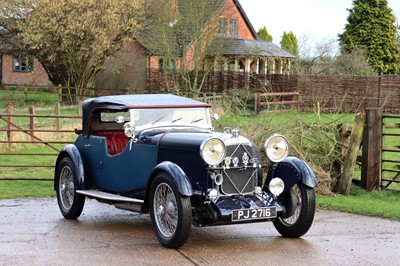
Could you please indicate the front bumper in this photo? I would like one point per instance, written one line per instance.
(220, 212)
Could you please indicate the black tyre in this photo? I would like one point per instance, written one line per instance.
(170, 212)
(69, 202)
(301, 205)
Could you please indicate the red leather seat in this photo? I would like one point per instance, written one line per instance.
(116, 141)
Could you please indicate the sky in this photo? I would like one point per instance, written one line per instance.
(314, 20)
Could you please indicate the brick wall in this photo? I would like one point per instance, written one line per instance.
(37, 77)
(230, 11)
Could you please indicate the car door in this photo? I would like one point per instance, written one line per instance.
(127, 171)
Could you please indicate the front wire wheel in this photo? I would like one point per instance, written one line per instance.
(302, 216)
(69, 202)
(170, 212)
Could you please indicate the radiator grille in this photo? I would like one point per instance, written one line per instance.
(241, 176)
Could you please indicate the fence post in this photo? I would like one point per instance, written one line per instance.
(60, 93)
(25, 94)
(80, 108)
(371, 150)
(57, 111)
(350, 159)
(10, 111)
(257, 100)
(32, 121)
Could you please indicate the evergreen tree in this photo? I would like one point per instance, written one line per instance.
(264, 35)
(289, 43)
(371, 27)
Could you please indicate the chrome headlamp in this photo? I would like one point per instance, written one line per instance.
(213, 151)
(277, 148)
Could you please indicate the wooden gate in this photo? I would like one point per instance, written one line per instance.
(390, 155)
(380, 166)
(31, 142)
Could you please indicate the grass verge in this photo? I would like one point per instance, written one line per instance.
(22, 188)
(383, 204)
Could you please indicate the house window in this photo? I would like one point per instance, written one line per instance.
(22, 64)
(166, 65)
(222, 27)
(234, 28)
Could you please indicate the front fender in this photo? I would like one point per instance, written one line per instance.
(178, 176)
(292, 170)
(73, 153)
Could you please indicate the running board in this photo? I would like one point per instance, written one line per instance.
(108, 196)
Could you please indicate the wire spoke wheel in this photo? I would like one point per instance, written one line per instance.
(293, 219)
(66, 187)
(166, 210)
(170, 212)
(69, 202)
(300, 202)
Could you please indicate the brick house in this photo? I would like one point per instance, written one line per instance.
(20, 70)
(236, 42)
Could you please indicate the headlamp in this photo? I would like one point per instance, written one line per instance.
(213, 151)
(277, 148)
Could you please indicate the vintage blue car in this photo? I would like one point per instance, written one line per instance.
(159, 154)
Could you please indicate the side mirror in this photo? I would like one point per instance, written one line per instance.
(215, 116)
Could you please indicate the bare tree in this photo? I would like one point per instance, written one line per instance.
(316, 58)
(183, 35)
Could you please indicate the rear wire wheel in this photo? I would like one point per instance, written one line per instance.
(70, 203)
(303, 211)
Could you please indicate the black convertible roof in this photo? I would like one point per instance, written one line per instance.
(123, 102)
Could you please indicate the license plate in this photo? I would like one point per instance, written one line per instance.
(252, 214)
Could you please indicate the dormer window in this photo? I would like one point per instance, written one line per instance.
(234, 28)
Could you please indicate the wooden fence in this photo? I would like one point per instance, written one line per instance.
(281, 101)
(334, 93)
(33, 94)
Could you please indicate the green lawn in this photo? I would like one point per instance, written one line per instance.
(20, 97)
(21, 189)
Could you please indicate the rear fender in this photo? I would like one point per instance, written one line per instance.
(73, 153)
(291, 171)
